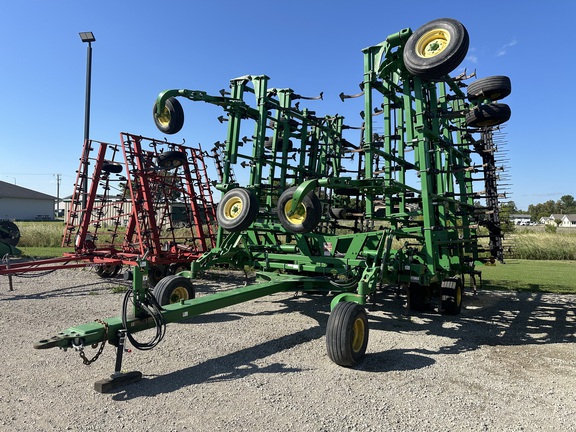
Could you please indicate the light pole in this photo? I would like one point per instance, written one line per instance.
(89, 38)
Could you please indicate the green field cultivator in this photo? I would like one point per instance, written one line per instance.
(318, 212)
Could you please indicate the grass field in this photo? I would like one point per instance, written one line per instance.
(546, 262)
(531, 275)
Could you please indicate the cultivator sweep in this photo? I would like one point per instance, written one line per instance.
(320, 213)
(142, 198)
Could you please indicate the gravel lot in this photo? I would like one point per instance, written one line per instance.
(507, 363)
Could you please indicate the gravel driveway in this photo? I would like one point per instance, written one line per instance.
(507, 363)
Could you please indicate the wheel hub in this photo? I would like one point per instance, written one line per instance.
(298, 217)
(433, 43)
(164, 117)
(233, 208)
(358, 332)
(178, 294)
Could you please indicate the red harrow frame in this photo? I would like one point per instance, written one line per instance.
(155, 203)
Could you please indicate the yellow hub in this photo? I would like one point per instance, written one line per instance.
(233, 208)
(358, 333)
(178, 294)
(299, 215)
(433, 43)
(458, 296)
(164, 117)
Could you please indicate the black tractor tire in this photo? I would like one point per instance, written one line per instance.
(452, 293)
(171, 119)
(237, 210)
(418, 297)
(338, 212)
(171, 159)
(347, 334)
(487, 115)
(436, 49)
(494, 88)
(112, 167)
(9, 233)
(156, 273)
(307, 216)
(173, 289)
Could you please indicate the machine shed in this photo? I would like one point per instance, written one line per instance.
(20, 203)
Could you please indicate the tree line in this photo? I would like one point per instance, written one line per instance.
(565, 205)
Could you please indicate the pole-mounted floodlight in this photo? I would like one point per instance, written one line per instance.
(89, 38)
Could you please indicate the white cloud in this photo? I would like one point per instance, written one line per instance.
(503, 51)
(472, 59)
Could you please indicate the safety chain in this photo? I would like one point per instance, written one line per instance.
(85, 359)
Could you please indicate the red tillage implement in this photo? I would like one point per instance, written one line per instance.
(156, 202)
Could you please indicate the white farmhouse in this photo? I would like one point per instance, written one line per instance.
(568, 220)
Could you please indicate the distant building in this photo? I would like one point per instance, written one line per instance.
(551, 220)
(520, 219)
(568, 220)
(20, 203)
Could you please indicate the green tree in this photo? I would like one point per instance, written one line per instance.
(538, 211)
(566, 204)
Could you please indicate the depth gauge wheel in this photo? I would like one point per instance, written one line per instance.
(307, 215)
(155, 274)
(173, 289)
(436, 49)
(108, 270)
(171, 159)
(347, 334)
(9, 233)
(418, 297)
(451, 292)
(171, 119)
(112, 167)
(237, 209)
(487, 115)
(493, 88)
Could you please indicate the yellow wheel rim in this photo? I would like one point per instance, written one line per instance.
(458, 295)
(358, 333)
(299, 215)
(233, 208)
(178, 294)
(164, 117)
(433, 43)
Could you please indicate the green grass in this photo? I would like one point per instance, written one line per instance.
(531, 275)
(43, 252)
(544, 246)
(40, 234)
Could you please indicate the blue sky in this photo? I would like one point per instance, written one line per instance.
(144, 47)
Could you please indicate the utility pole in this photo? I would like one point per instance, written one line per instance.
(58, 180)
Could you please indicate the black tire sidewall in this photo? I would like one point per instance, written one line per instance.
(494, 88)
(339, 333)
(245, 218)
(166, 286)
(446, 61)
(488, 115)
(313, 212)
(176, 117)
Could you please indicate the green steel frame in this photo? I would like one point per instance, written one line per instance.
(398, 208)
